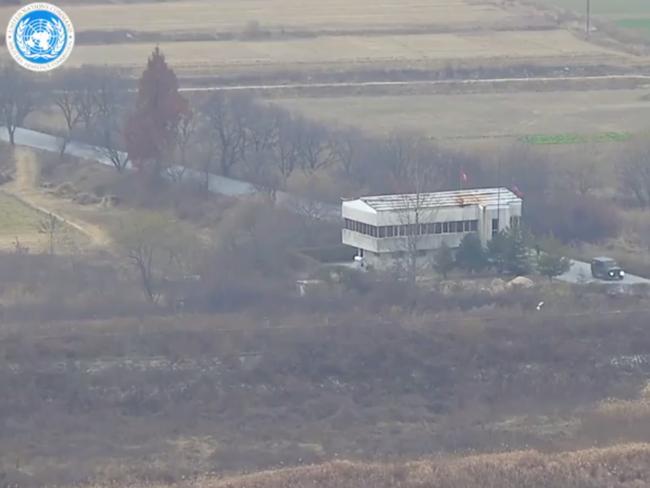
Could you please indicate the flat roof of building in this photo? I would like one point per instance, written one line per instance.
(487, 197)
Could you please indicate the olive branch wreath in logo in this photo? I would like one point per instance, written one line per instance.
(26, 50)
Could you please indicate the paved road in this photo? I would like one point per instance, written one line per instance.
(633, 78)
(216, 183)
(580, 272)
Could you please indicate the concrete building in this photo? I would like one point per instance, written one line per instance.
(384, 228)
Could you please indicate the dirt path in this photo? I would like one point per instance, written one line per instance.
(26, 187)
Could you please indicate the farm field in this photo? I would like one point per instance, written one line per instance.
(354, 51)
(290, 35)
(613, 9)
(234, 15)
(488, 115)
(628, 14)
(19, 222)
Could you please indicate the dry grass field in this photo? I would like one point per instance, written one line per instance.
(233, 15)
(424, 50)
(616, 467)
(21, 224)
(485, 115)
(307, 36)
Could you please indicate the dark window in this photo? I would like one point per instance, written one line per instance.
(445, 227)
(423, 229)
(495, 226)
(514, 221)
(438, 228)
(473, 225)
(452, 227)
(402, 230)
(382, 232)
(466, 225)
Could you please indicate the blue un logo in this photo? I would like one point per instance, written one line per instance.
(40, 37)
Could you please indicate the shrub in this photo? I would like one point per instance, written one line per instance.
(471, 255)
(573, 218)
(508, 252)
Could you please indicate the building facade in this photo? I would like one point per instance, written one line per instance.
(384, 228)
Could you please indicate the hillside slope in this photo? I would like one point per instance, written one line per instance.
(620, 466)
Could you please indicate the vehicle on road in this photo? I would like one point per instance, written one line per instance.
(606, 269)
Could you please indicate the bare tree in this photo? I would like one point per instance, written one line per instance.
(110, 112)
(185, 133)
(287, 147)
(400, 156)
(635, 174)
(17, 99)
(349, 148)
(315, 147)
(261, 129)
(418, 175)
(75, 94)
(258, 168)
(154, 245)
(51, 226)
(225, 117)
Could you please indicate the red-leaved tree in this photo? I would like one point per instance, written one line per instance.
(152, 127)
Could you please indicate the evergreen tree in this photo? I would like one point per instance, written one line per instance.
(552, 265)
(151, 128)
(550, 262)
(518, 258)
(497, 252)
(471, 255)
(509, 253)
(443, 261)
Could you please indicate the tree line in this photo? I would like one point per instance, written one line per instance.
(158, 130)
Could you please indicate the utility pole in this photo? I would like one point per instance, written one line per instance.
(588, 26)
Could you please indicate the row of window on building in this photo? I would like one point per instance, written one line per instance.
(457, 227)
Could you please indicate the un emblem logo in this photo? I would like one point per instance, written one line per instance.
(40, 37)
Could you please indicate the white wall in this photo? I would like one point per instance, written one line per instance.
(426, 242)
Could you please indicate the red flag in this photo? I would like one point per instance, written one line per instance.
(517, 191)
(463, 176)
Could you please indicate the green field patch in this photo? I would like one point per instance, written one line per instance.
(641, 25)
(604, 8)
(571, 138)
(16, 217)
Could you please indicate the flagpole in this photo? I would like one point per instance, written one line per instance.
(499, 196)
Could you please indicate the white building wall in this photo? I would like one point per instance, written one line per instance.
(383, 252)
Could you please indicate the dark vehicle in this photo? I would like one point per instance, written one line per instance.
(606, 269)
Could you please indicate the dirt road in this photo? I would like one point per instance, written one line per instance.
(26, 187)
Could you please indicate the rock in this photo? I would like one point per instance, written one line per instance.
(520, 282)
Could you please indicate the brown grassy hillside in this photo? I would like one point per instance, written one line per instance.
(616, 467)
